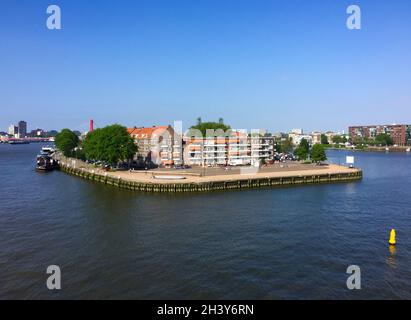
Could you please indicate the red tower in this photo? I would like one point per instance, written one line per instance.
(91, 125)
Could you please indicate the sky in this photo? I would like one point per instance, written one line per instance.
(268, 64)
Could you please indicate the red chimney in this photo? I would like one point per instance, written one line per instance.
(91, 125)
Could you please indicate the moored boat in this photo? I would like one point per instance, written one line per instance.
(47, 150)
(45, 160)
(45, 163)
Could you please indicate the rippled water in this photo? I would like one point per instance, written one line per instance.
(257, 244)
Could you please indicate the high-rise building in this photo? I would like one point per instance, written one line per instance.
(22, 129)
(13, 130)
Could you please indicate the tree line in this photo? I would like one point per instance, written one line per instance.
(316, 152)
(110, 144)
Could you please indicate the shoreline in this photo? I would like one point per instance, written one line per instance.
(377, 149)
(146, 182)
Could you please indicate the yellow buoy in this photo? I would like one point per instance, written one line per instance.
(392, 237)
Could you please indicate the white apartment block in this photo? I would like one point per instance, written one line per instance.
(296, 138)
(236, 149)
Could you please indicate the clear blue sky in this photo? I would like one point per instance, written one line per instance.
(258, 64)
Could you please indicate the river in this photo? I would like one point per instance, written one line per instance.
(290, 243)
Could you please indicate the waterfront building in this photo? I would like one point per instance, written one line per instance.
(235, 148)
(22, 129)
(262, 148)
(209, 151)
(313, 138)
(193, 150)
(239, 149)
(400, 134)
(159, 145)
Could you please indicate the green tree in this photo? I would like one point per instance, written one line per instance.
(66, 141)
(360, 141)
(301, 153)
(302, 150)
(337, 139)
(305, 145)
(204, 126)
(384, 139)
(318, 153)
(110, 144)
(324, 139)
(285, 146)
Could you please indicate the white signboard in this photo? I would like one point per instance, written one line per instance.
(350, 160)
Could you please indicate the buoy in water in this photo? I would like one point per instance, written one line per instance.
(392, 237)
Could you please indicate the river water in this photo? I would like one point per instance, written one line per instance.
(290, 243)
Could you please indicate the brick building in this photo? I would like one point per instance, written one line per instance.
(158, 144)
(400, 134)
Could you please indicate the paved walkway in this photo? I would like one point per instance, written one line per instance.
(218, 174)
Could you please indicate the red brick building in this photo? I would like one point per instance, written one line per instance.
(400, 134)
(157, 144)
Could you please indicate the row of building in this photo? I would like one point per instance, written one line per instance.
(312, 138)
(163, 146)
(19, 130)
(399, 133)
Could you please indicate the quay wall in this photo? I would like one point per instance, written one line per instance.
(241, 183)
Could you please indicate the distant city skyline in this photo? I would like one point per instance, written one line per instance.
(275, 65)
(300, 131)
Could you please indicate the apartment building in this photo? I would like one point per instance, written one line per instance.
(238, 148)
(22, 125)
(400, 134)
(296, 138)
(159, 145)
(262, 148)
(210, 151)
(316, 137)
(330, 136)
